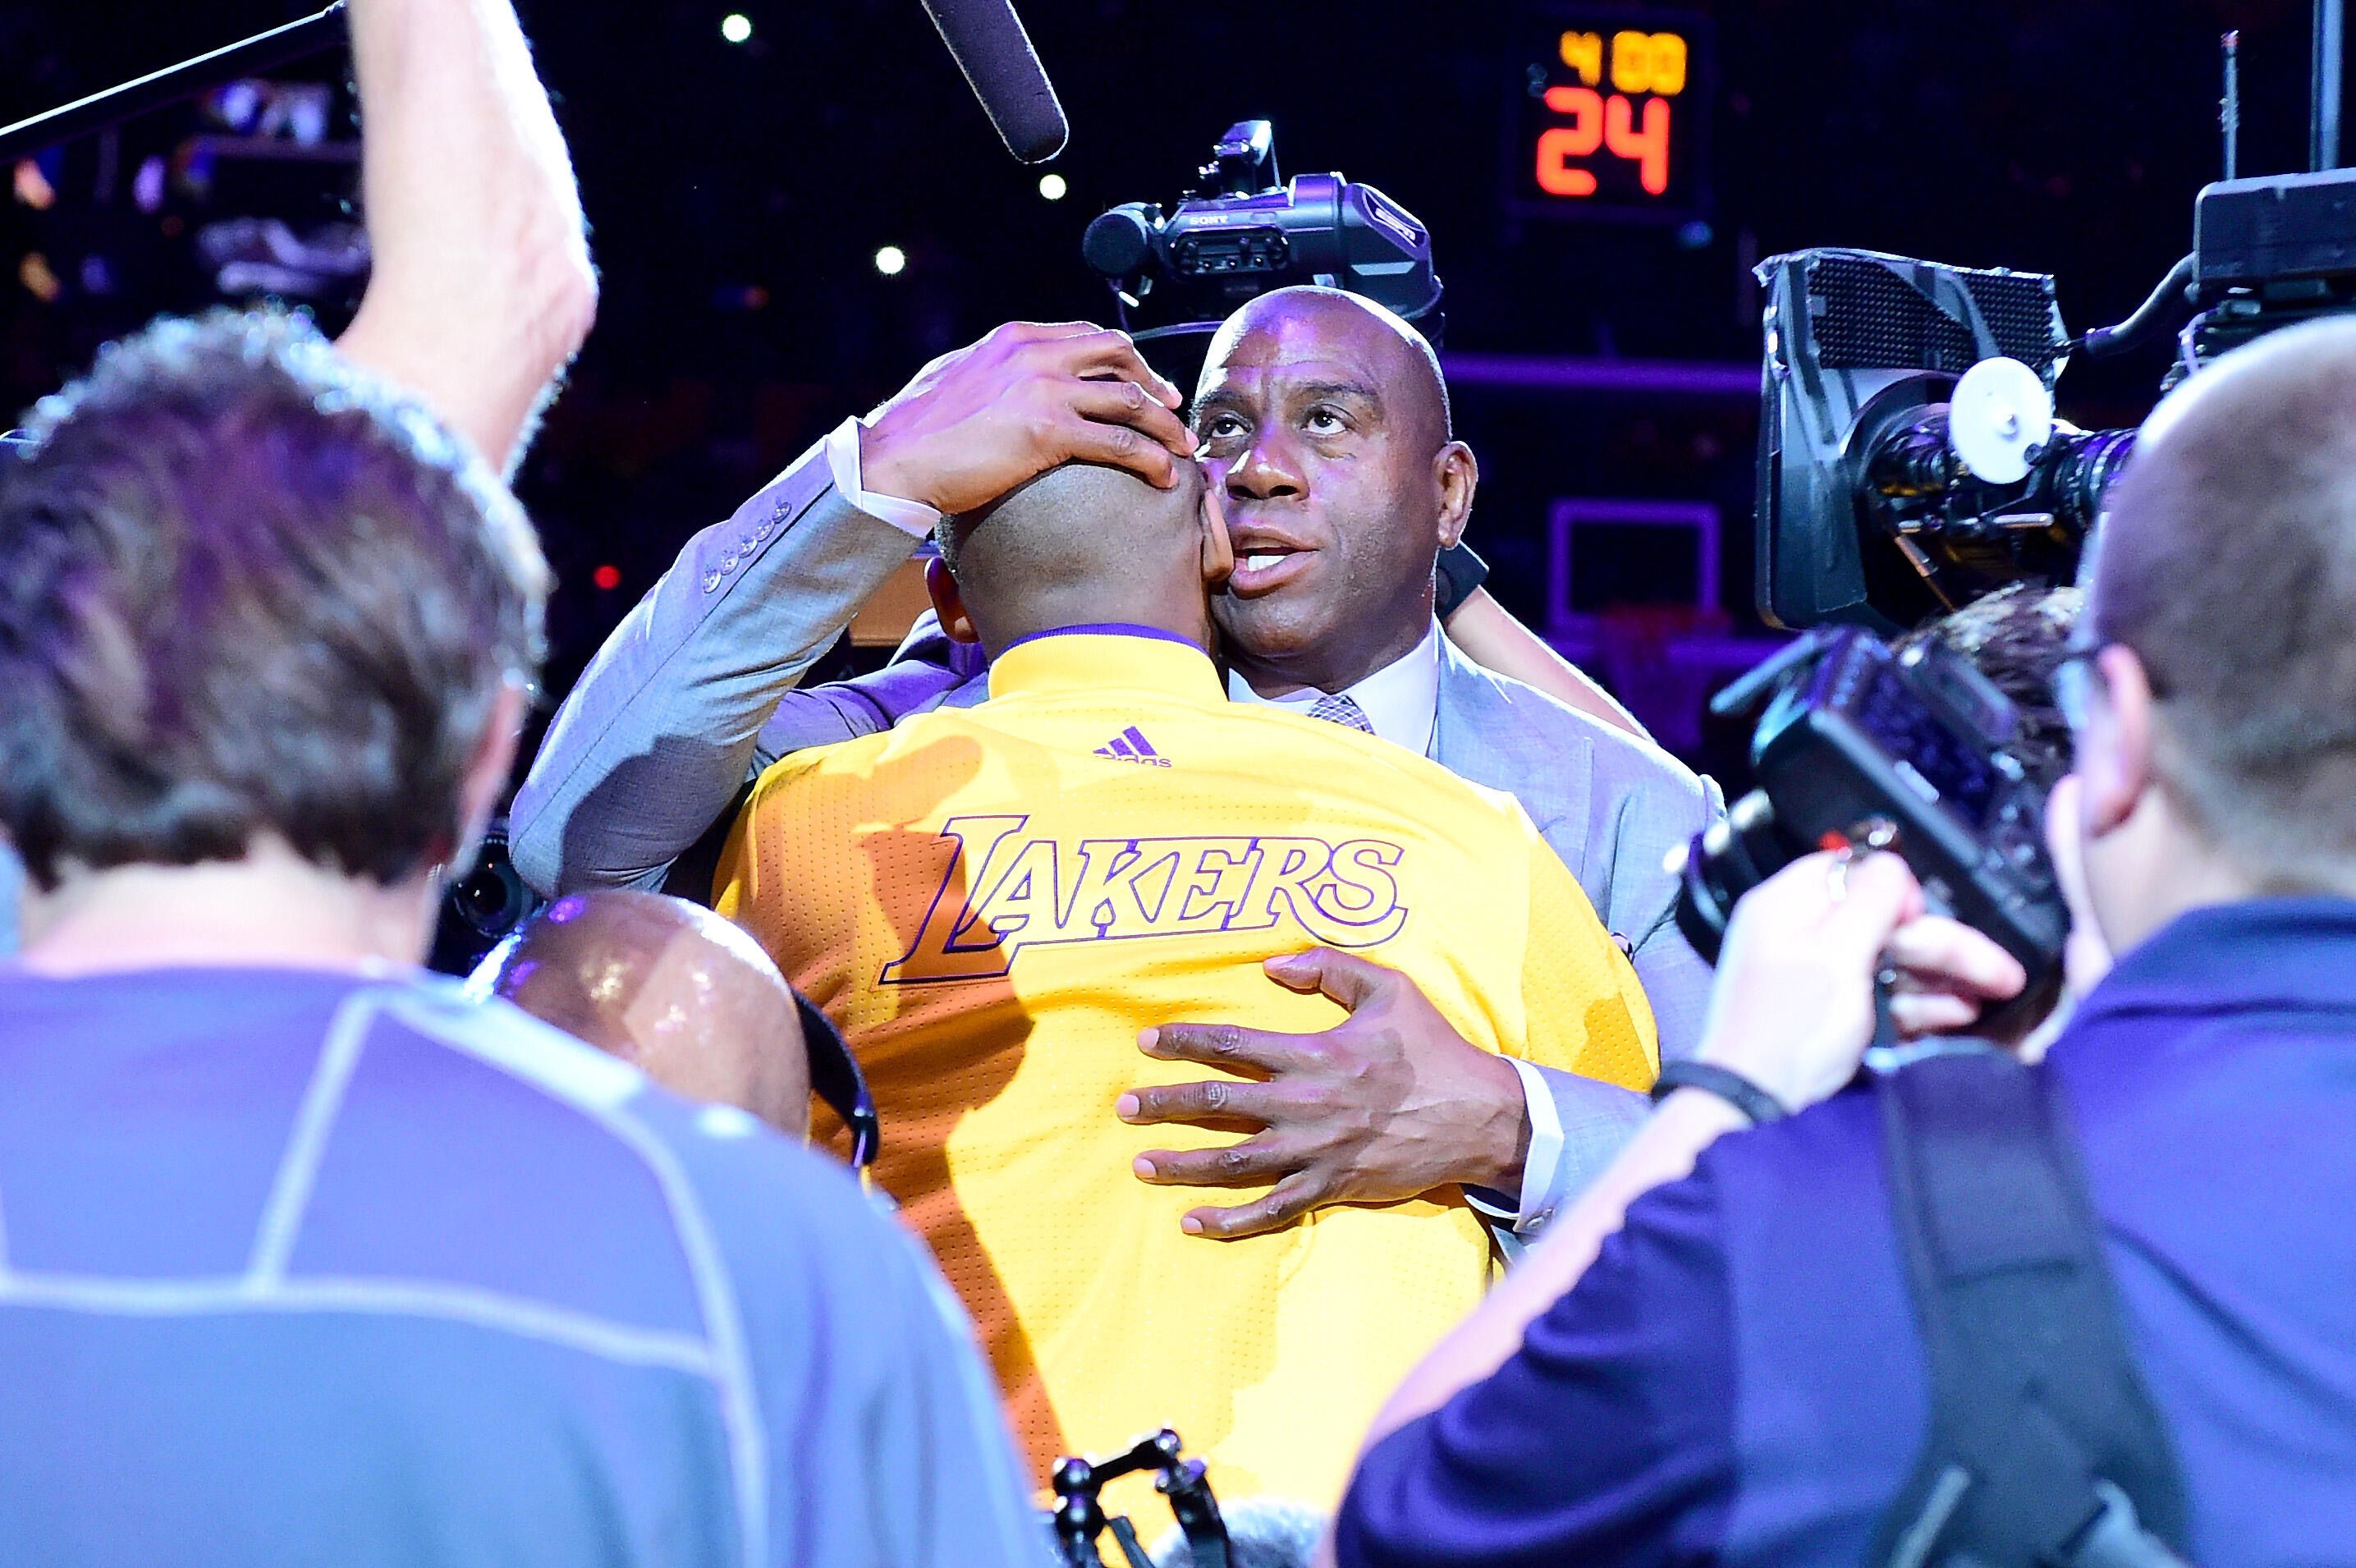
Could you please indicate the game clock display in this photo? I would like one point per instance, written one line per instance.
(1609, 114)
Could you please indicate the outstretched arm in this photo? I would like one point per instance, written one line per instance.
(480, 289)
(1792, 1012)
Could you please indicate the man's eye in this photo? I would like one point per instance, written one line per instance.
(1325, 422)
(1221, 426)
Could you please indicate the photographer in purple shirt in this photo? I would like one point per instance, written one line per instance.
(1715, 1357)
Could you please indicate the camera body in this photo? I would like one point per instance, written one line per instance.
(1904, 750)
(1243, 233)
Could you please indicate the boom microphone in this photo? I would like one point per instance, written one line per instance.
(986, 40)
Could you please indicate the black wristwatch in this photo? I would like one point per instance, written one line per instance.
(1725, 1083)
(1460, 574)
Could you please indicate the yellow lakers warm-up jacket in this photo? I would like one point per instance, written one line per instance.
(993, 902)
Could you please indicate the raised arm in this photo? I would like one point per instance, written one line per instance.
(480, 289)
(658, 733)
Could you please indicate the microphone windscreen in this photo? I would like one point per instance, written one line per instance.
(986, 40)
(1262, 1532)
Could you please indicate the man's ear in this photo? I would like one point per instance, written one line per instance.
(2114, 752)
(1219, 550)
(946, 605)
(1458, 474)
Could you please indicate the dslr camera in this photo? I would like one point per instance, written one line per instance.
(1901, 750)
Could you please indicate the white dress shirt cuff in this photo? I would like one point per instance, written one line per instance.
(912, 518)
(1542, 1167)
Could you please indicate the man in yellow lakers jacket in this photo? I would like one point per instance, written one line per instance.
(993, 902)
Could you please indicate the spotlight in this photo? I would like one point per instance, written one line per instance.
(1052, 187)
(736, 27)
(891, 261)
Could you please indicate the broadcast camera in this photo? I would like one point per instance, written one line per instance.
(1908, 459)
(1243, 232)
(1909, 463)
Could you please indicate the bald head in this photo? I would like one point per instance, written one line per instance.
(1406, 370)
(672, 987)
(2228, 563)
(1079, 544)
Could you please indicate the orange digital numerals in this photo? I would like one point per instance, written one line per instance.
(1610, 123)
(1641, 62)
(1583, 52)
(1647, 62)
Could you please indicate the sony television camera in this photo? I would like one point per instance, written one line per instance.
(1909, 463)
(1243, 231)
(1900, 750)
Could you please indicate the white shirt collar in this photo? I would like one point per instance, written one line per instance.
(1401, 700)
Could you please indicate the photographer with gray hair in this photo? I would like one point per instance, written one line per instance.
(1725, 1352)
(308, 1257)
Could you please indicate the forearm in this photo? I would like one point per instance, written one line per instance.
(1686, 1123)
(659, 733)
(1496, 642)
(480, 288)
(925, 670)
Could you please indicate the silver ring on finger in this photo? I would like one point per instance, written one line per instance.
(1837, 877)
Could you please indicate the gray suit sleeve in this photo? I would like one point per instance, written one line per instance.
(659, 732)
(927, 668)
(1643, 805)
(1677, 981)
(1598, 1119)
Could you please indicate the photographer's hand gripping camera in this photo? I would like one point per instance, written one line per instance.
(1907, 751)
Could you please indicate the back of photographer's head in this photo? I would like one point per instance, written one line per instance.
(1081, 544)
(2018, 637)
(247, 590)
(2228, 566)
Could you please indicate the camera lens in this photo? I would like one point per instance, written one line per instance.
(1725, 860)
(492, 897)
(1118, 243)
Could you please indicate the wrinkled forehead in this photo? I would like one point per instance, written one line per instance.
(1298, 341)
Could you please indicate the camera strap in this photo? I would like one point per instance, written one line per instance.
(2045, 1447)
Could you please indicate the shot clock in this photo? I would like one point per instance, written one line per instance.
(1610, 115)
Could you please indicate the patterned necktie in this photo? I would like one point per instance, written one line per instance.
(1341, 710)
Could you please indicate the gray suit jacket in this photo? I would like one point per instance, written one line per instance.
(693, 694)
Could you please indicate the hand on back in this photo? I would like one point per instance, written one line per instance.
(1389, 1104)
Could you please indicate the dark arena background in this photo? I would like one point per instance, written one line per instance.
(794, 205)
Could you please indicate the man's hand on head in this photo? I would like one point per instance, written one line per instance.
(1793, 1008)
(1389, 1104)
(975, 424)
